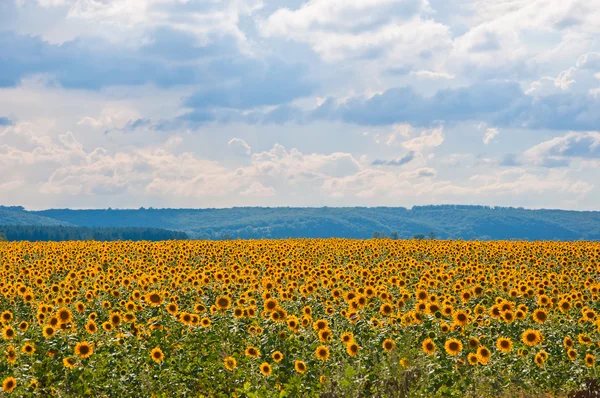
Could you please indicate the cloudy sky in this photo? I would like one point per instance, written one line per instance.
(210, 103)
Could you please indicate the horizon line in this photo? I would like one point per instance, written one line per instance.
(491, 207)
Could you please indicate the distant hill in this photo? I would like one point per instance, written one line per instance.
(16, 215)
(447, 221)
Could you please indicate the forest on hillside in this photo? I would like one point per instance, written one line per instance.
(34, 233)
(443, 222)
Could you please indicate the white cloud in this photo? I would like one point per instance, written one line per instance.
(110, 116)
(399, 131)
(427, 74)
(127, 21)
(239, 147)
(577, 79)
(258, 189)
(490, 134)
(505, 36)
(426, 140)
(396, 30)
(558, 151)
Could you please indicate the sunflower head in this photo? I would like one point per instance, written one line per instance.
(504, 344)
(590, 360)
(352, 349)
(531, 337)
(322, 353)
(428, 346)
(9, 384)
(83, 350)
(388, 344)
(252, 352)
(157, 355)
(230, 363)
(265, 369)
(70, 362)
(300, 367)
(483, 355)
(277, 356)
(453, 346)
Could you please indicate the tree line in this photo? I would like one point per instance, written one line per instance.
(35, 233)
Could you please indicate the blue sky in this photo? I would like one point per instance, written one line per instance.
(208, 103)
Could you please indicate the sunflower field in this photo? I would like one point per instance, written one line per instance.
(299, 318)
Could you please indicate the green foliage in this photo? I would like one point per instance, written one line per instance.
(59, 233)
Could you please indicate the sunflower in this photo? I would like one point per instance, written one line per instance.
(539, 316)
(388, 344)
(571, 354)
(107, 326)
(186, 318)
(252, 352)
(347, 337)
(115, 319)
(322, 353)
(270, 305)
(238, 312)
(472, 358)
(11, 354)
(230, 363)
(509, 317)
(172, 308)
(83, 350)
(352, 349)
(428, 346)
(157, 355)
(265, 369)
(48, 331)
(385, 309)
(531, 337)
(444, 327)
(300, 367)
(64, 315)
(154, 299)
(28, 348)
(277, 356)
(460, 317)
(584, 338)
(8, 333)
(223, 303)
(483, 355)
(564, 305)
(23, 326)
(320, 324)
(568, 342)
(522, 352)
(540, 358)
(590, 360)
(504, 344)
(6, 316)
(9, 384)
(205, 322)
(80, 307)
(453, 347)
(325, 336)
(69, 362)
(473, 343)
